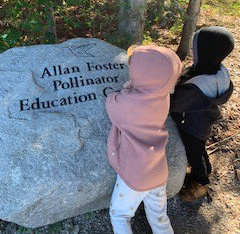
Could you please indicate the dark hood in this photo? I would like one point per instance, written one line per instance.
(210, 46)
(223, 98)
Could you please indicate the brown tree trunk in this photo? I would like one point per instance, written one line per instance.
(189, 27)
(51, 33)
(132, 19)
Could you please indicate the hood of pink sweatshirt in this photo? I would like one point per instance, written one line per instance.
(137, 140)
(154, 69)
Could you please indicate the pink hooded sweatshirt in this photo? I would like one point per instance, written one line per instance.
(137, 140)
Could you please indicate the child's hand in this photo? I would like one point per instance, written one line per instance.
(127, 85)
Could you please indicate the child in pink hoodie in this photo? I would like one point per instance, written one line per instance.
(137, 140)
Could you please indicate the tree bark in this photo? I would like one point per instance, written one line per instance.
(51, 33)
(189, 27)
(132, 19)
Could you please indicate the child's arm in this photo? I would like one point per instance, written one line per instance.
(116, 108)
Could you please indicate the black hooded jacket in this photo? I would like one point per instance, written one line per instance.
(192, 110)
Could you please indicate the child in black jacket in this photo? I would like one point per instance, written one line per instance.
(195, 104)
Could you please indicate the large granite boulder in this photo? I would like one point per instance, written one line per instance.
(53, 131)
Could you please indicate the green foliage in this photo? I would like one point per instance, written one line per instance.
(223, 6)
(76, 2)
(23, 23)
(55, 228)
(27, 22)
(89, 215)
(10, 38)
(147, 39)
(169, 13)
(123, 41)
(23, 230)
(177, 26)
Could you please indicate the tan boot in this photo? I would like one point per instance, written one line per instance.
(193, 191)
(189, 169)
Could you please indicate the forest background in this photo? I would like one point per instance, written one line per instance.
(25, 22)
(30, 22)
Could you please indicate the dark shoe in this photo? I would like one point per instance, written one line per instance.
(193, 191)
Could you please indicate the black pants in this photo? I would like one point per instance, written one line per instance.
(197, 158)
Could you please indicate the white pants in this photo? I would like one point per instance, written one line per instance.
(125, 202)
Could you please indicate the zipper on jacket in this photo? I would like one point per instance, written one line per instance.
(183, 118)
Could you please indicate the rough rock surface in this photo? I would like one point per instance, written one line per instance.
(53, 131)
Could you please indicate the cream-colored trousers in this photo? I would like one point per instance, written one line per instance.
(125, 202)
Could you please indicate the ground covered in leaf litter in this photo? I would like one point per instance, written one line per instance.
(215, 215)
